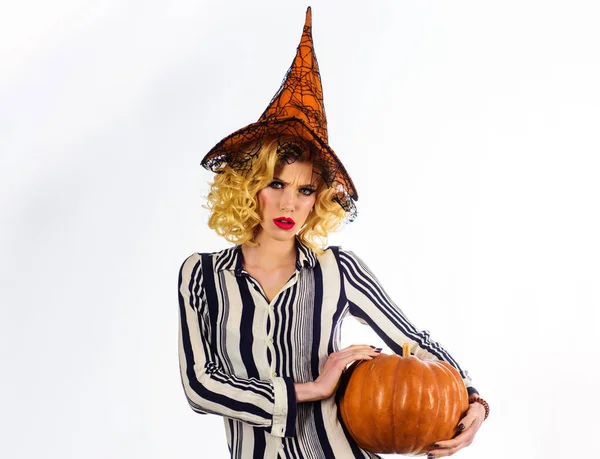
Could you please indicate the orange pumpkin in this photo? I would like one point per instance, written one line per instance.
(401, 404)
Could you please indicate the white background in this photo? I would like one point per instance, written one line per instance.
(471, 132)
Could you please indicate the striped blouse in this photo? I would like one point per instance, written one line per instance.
(240, 354)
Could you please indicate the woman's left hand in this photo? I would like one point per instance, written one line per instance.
(470, 425)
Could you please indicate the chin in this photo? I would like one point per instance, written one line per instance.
(282, 236)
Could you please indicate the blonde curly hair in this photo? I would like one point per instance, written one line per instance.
(233, 203)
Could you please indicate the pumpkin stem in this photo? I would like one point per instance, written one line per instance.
(405, 350)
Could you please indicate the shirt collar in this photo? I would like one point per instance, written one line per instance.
(231, 259)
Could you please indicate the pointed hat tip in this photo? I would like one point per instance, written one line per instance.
(308, 21)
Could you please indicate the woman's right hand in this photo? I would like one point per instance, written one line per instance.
(328, 380)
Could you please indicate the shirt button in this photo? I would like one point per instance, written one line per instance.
(270, 340)
(274, 374)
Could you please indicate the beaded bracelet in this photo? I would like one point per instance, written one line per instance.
(478, 399)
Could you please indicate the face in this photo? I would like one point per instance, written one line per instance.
(285, 203)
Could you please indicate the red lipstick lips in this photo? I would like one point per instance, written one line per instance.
(284, 223)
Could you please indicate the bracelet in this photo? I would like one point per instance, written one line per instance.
(478, 399)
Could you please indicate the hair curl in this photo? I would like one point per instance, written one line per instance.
(233, 203)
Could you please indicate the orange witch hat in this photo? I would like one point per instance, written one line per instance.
(295, 116)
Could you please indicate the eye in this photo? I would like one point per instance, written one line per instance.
(307, 191)
(275, 184)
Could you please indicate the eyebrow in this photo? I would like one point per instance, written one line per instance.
(310, 185)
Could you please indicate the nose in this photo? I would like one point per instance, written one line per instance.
(288, 200)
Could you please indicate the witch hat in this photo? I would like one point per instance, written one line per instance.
(295, 116)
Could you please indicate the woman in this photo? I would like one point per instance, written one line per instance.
(260, 321)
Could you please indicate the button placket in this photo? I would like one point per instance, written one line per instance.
(270, 341)
(269, 336)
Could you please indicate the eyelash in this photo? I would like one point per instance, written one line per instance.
(302, 190)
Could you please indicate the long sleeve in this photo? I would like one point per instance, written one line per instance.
(370, 304)
(270, 403)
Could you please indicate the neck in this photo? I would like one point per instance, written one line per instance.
(270, 253)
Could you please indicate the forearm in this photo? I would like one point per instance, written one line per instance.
(307, 392)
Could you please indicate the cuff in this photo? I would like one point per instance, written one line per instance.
(284, 413)
(471, 391)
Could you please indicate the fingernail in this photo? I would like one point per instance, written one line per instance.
(372, 346)
(461, 427)
(378, 349)
(430, 456)
(436, 445)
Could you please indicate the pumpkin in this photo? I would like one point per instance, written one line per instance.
(401, 404)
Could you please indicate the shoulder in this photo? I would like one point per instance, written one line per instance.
(343, 258)
(341, 253)
(352, 264)
(191, 265)
(194, 261)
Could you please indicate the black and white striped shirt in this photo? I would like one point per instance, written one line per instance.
(240, 354)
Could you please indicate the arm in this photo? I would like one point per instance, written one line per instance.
(307, 392)
(328, 380)
(371, 305)
(267, 403)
